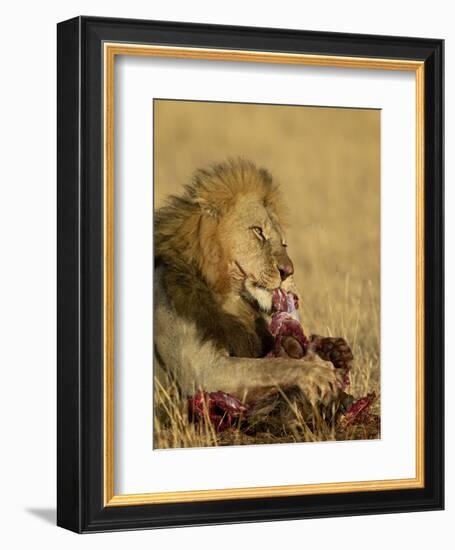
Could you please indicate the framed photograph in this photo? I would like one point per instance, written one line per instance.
(250, 274)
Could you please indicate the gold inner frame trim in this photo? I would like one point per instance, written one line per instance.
(109, 52)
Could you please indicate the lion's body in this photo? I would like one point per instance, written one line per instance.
(219, 254)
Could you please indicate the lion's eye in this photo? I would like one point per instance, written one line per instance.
(258, 231)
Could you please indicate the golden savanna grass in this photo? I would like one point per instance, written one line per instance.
(327, 161)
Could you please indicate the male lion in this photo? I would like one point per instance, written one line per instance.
(220, 252)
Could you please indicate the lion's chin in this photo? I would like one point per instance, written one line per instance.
(260, 295)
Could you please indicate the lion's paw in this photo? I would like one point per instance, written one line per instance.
(335, 350)
(321, 383)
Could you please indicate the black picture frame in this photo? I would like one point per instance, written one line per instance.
(80, 474)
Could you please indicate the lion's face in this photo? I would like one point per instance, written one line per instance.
(227, 224)
(256, 248)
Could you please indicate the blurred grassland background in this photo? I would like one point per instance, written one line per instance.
(327, 161)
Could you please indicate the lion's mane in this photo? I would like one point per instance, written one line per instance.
(189, 246)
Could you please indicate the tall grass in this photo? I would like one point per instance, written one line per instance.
(328, 164)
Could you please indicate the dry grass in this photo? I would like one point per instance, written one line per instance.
(328, 164)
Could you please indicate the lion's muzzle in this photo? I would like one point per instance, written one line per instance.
(284, 266)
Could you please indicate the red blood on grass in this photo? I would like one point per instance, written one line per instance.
(359, 412)
(221, 408)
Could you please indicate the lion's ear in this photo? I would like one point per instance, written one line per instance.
(207, 208)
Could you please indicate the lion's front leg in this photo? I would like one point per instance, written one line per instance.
(317, 379)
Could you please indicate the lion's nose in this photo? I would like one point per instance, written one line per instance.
(285, 268)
